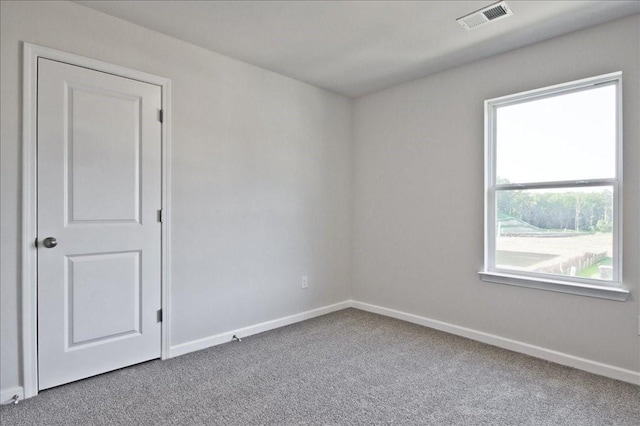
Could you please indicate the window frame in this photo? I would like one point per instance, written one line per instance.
(567, 284)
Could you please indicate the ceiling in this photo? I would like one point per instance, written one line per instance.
(358, 47)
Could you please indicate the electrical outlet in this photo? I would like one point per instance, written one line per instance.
(305, 281)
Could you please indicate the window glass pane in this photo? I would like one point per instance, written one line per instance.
(565, 137)
(556, 231)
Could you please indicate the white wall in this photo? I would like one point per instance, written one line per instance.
(418, 210)
(261, 176)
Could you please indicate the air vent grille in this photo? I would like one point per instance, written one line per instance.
(495, 12)
(485, 15)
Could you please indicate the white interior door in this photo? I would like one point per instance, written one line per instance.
(99, 193)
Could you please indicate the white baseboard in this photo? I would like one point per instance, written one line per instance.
(491, 339)
(6, 396)
(226, 337)
(513, 345)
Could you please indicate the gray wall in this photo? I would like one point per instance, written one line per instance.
(418, 210)
(261, 176)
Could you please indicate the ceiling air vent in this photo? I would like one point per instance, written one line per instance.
(484, 16)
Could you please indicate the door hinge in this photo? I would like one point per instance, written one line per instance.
(161, 115)
(159, 315)
(160, 216)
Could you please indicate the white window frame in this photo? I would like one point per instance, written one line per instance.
(566, 284)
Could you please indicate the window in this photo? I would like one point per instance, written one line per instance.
(552, 188)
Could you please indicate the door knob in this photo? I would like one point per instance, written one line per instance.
(50, 242)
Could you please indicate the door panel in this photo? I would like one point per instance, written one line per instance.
(105, 163)
(103, 286)
(99, 190)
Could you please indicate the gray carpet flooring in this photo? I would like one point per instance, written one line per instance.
(347, 368)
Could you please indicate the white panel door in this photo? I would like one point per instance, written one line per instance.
(99, 192)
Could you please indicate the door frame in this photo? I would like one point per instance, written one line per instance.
(31, 53)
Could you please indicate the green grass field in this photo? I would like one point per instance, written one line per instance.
(593, 269)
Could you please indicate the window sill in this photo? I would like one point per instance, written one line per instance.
(602, 292)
